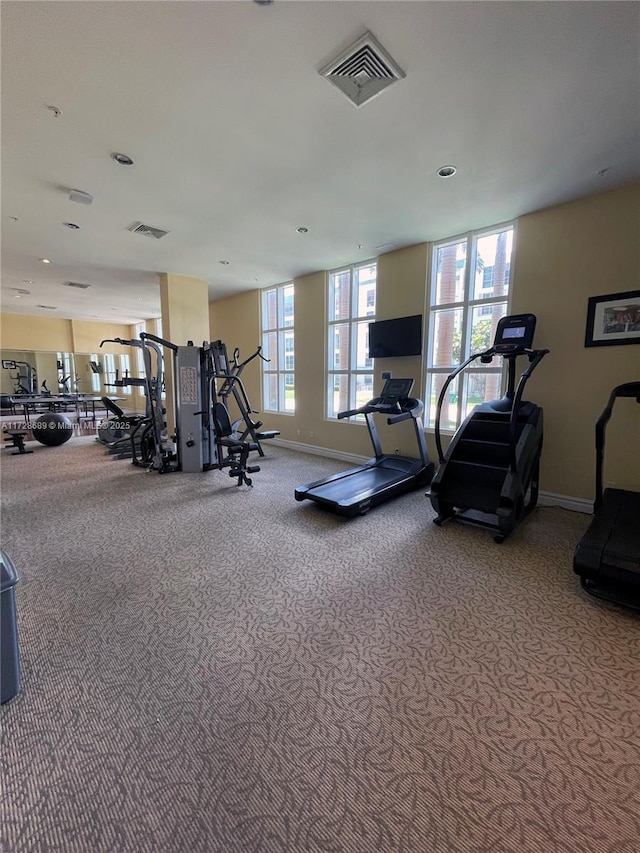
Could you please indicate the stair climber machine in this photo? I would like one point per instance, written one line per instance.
(607, 558)
(489, 474)
(382, 477)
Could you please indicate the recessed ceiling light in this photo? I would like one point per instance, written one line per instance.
(57, 112)
(13, 218)
(45, 261)
(302, 230)
(71, 225)
(27, 281)
(122, 159)
(447, 171)
(224, 263)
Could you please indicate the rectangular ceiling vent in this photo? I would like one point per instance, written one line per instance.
(77, 284)
(363, 70)
(147, 230)
(49, 307)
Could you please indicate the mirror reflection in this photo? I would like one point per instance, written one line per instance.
(29, 372)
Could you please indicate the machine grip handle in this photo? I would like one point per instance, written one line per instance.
(395, 419)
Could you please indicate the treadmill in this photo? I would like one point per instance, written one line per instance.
(607, 558)
(382, 477)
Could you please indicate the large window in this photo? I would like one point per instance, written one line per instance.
(352, 306)
(469, 293)
(278, 373)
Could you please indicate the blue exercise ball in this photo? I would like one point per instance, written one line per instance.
(52, 429)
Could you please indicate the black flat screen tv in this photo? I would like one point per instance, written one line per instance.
(396, 338)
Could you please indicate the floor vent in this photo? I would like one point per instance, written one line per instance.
(147, 230)
(363, 70)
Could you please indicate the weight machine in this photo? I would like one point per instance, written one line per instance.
(228, 383)
(204, 438)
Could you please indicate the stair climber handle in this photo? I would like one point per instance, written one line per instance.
(448, 382)
(535, 357)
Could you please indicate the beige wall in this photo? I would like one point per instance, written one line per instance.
(236, 322)
(45, 334)
(87, 336)
(563, 256)
(185, 317)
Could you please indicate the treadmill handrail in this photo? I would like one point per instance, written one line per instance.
(628, 389)
(375, 406)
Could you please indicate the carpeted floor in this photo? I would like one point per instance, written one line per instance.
(222, 670)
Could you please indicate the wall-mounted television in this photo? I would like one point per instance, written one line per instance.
(396, 338)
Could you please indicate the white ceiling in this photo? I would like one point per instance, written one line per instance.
(237, 140)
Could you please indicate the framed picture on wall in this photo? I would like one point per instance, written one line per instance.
(613, 319)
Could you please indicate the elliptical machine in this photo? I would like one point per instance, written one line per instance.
(489, 474)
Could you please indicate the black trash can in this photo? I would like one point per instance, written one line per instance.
(9, 654)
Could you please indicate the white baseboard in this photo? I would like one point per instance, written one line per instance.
(319, 451)
(544, 498)
(565, 502)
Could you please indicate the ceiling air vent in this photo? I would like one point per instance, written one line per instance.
(363, 70)
(77, 284)
(49, 307)
(146, 230)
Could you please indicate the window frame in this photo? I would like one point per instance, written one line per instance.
(467, 304)
(353, 321)
(285, 333)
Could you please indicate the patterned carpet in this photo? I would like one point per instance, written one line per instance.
(222, 670)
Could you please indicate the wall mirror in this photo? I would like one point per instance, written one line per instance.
(33, 372)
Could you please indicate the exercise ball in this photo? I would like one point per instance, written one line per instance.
(52, 429)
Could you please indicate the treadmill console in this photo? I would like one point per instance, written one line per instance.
(515, 332)
(394, 391)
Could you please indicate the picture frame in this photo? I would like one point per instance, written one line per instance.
(613, 319)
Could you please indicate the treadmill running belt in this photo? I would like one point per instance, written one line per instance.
(348, 491)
